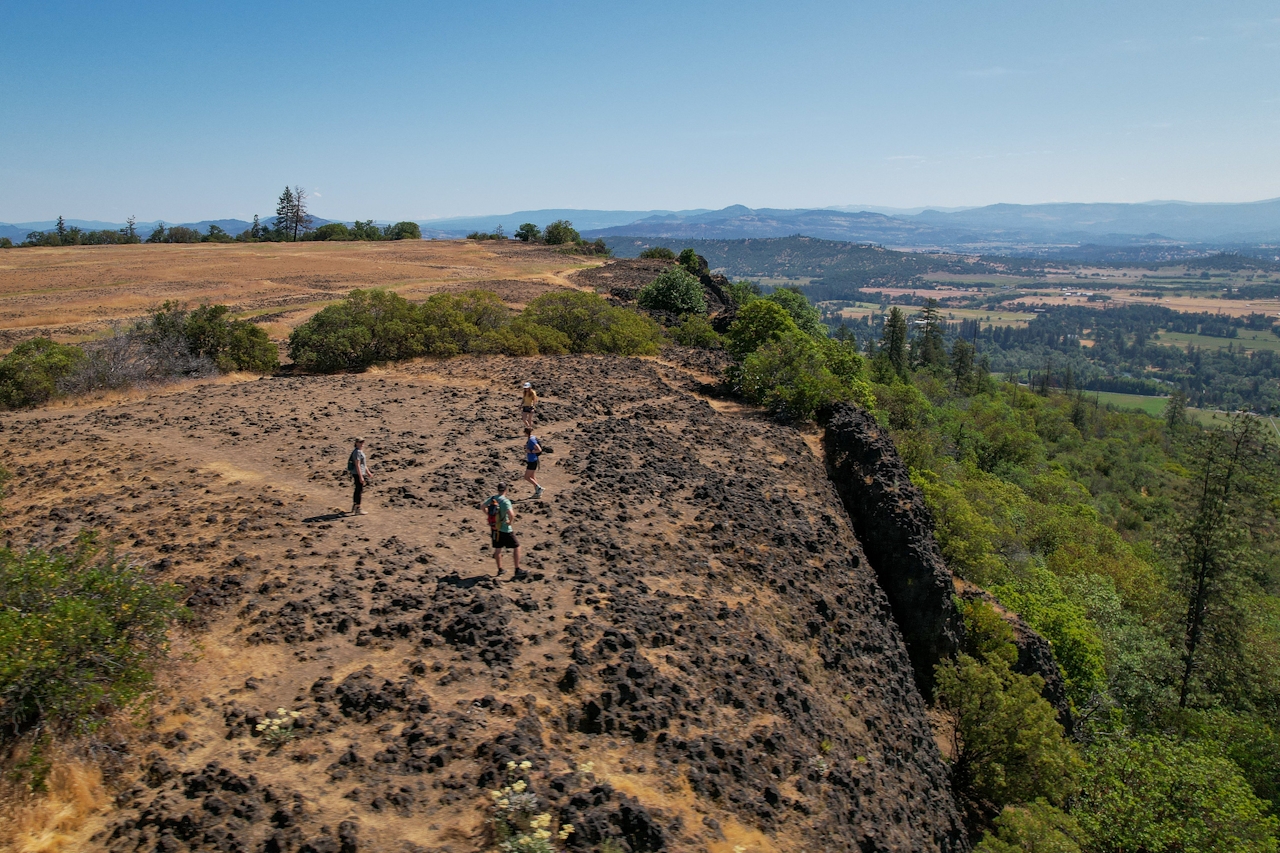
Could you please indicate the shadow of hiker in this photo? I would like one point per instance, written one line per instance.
(333, 516)
(454, 579)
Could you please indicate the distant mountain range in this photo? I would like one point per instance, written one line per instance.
(997, 228)
(1000, 227)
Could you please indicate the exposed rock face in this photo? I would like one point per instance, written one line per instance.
(698, 656)
(896, 531)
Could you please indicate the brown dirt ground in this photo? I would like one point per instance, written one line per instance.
(234, 489)
(74, 292)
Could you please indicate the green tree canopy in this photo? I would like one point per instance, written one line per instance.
(560, 232)
(758, 322)
(806, 317)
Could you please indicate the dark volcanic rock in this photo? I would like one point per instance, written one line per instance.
(896, 531)
(697, 620)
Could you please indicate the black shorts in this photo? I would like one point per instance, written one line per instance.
(526, 408)
(504, 540)
(531, 466)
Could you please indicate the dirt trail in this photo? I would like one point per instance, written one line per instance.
(697, 621)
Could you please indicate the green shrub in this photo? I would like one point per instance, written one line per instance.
(1035, 827)
(504, 341)
(590, 324)
(230, 344)
(1157, 796)
(80, 634)
(249, 349)
(6, 243)
(30, 373)
(368, 327)
(453, 323)
(695, 330)
(548, 340)
(692, 263)
(790, 377)
(757, 323)
(675, 291)
(625, 332)
(658, 253)
(742, 292)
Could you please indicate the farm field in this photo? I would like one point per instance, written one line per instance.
(1247, 341)
(1144, 403)
(951, 315)
(75, 292)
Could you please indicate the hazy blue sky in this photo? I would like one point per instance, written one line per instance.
(184, 110)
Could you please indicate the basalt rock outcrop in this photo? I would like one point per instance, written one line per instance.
(895, 528)
(896, 531)
(697, 657)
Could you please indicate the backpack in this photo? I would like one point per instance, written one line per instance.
(492, 507)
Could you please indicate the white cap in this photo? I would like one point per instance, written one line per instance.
(528, 384)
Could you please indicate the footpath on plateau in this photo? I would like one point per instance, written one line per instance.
(699, 659)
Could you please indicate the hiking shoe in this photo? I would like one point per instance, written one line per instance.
(538, 492)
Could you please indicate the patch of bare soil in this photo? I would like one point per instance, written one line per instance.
(698, 657)
(622, 278)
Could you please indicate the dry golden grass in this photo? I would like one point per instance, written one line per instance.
(48, 823)
(70, 292)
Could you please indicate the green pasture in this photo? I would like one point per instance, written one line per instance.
(1141, 402)
(1248, 340)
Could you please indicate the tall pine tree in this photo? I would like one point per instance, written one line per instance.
(893, 340)
(286, 211)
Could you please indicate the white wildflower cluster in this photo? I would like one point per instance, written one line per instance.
(279, 729)
(517, 822)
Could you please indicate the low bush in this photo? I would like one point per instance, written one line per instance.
(658, 253)
(80, 636)
(806, 317)
(590, 324)
(692, 262)
(790, 377)
(229, 344)
(694, 330)
(675, 291)
(33, 371)
(368, 327)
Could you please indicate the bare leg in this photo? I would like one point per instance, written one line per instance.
(532, 478)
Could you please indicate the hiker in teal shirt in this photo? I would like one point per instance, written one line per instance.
(504, 536)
